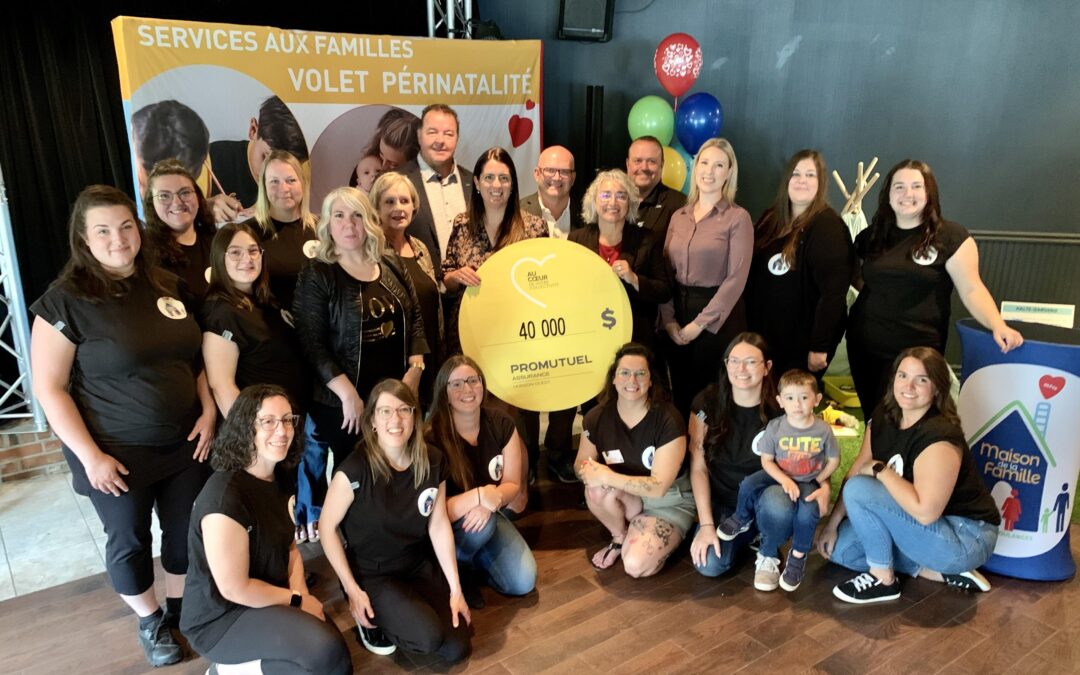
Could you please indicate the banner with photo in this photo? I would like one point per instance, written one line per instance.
(219, 97)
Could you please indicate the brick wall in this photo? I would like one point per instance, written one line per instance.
(25, 454)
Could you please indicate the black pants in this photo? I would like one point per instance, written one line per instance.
(872, 376)
(698, 364)
(559, 439)
(286, 640)
(412, 607)
(129, 557)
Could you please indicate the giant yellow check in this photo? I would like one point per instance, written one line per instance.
(545, 323)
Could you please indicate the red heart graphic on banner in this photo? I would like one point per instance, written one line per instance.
(530, 104)
(520, 129)
(1051, 386)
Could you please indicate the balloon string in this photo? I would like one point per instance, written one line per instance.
(676, 103)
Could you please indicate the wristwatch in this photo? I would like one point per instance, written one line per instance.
(877, 467)
(295, 600)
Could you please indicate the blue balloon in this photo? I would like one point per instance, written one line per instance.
(698, 119)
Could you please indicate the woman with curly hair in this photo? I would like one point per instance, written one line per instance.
(180, 225)
(247, 607)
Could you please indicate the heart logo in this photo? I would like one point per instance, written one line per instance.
(513, 276)
(1051, 386)
(520, 129)
(530, 104)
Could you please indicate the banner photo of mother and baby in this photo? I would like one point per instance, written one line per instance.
(220, 97)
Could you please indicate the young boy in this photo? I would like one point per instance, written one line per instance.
(798, 453)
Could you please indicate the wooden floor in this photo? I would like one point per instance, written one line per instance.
(584, 621)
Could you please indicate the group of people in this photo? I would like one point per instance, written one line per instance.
(266, 344)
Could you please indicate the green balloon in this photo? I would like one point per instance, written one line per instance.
(651, 116)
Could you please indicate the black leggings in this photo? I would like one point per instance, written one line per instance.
(286, 640)
(871, 375)
(129, 557)
(412, 607)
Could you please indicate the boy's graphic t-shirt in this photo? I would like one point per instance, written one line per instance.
(800, 453)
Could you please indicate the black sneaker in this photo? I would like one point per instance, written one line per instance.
(159, 645)
(968, 581)
(564, 473)
(730, 528)
(375, 641)
(794, 569)
(866, 588)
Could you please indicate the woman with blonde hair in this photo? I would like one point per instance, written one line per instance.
(359, 322)
(709, 244)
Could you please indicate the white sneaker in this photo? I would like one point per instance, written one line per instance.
(767, 576)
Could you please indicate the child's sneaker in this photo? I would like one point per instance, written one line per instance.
(968, 581)
(731, 528)
(866, 588)
(794, 569)
(768, 573)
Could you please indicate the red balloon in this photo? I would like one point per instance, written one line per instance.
(677, 63)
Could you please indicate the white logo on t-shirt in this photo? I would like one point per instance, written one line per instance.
(207, 275)
(754, 443)
(927, 258)
(896, 463)
(426, 501)
(310, 247)
(647, 456)
(171, 307)
(287, 317)
(778, 266)
(495, 467)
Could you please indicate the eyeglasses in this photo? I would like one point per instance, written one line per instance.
(626, 374)
(491, 179)
(384, 413)
(237, 253)
(617, 196)
(165, 197)
(459, 384)
(270, 424)
(733, 362)
(550, 172)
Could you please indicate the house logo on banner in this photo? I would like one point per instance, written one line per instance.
(220, 97)
(1023, 411)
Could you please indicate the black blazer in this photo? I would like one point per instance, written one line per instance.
(645, 253)
(423, 223)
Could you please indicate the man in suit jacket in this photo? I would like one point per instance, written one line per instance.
(645, 166)
(554, 174)
(445, 189)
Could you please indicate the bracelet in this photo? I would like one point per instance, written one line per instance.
(478, 502)
(704, 525)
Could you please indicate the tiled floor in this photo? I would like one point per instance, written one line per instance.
(49, 535)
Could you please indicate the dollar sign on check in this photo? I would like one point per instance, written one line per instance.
(608, 317)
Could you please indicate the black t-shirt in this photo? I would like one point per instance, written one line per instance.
(195, 270)
(630, 451)
(802, 308)
(899, 448)
(260, 507)
(383, 340)
(229, 161)
(428, 295)
(387, 522)
(284, 254)
(735, 458)
(485, 458)
(904, 302)
(136, 360)
(269, 347)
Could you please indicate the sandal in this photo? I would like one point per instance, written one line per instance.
(313, 531)
(301, 534)
(612, 547)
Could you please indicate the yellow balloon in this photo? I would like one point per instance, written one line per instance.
(674, 169)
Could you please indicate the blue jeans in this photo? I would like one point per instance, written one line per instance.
(500, 551)
(760, 494)
(879, 533)
(731, 552)
(311, 476)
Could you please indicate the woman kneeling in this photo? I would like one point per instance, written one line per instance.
(632, 462)
(914, 502)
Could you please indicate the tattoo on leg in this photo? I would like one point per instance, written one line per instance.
(663, 531)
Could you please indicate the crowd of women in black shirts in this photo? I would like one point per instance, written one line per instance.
(310, 335)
